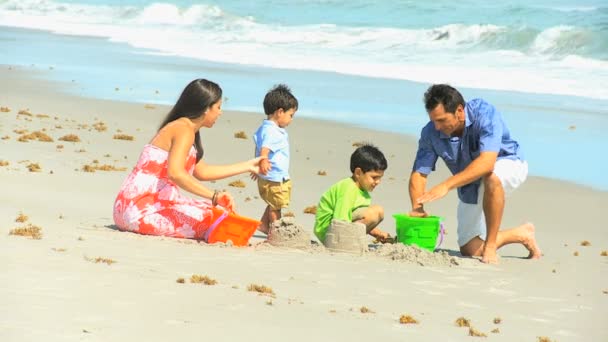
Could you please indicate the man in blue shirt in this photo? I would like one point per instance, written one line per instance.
(487, 164)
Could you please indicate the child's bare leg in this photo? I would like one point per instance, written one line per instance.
(523, 234)
(273, 215)
(371, 217)
(270, 215)
(264, 227)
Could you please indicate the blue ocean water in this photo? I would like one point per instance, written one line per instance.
(543, 64)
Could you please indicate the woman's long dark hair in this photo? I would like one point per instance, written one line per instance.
(196, 98)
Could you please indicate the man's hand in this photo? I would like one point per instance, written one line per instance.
(418, 212)
(434, 194)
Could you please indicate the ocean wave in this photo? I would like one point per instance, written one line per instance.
(215, 23)
(210, 32)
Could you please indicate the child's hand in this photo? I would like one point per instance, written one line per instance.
(260, 165)
(265, 166)
(388, 239)
(254, 176)
(385, 239)
(381, 236)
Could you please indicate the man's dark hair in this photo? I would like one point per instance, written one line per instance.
(368, 158)
(449, 97)
(279, 96)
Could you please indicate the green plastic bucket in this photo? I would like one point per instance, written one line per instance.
(420, 231)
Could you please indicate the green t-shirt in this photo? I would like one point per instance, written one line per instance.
(339, 202)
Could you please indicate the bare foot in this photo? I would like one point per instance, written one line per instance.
(529, 241)
(263, 228)
(489, 256)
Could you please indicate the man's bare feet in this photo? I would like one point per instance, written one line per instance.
(489, 256)
(529, 241)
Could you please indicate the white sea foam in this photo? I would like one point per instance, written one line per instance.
(485, 56)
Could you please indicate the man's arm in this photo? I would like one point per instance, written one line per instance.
(481, 166)
(417, 186)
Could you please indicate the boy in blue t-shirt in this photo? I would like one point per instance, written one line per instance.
(272, 141)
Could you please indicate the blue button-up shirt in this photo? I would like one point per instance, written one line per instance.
(484, 131)
(276, 139)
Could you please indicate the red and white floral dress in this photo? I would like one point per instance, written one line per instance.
(149, 203)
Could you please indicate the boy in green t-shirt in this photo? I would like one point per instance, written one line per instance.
(349, 199)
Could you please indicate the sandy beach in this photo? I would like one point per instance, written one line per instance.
(84, 280)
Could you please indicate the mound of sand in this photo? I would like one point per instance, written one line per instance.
(286, 233)
(413, 254)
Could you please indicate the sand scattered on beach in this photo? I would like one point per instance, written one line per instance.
(21, 218)
(476, 333)
(261, 289)
(98, 260)
(70, 138)
(29, 230)
(413, 254)
(237, 184)
(463, 322)
(123, 137)
(240, 135)
(407, 319)
(202, 279)
(310, 210)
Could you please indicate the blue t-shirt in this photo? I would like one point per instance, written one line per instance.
(276, 139)
(484, 131)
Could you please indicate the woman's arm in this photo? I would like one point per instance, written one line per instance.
(182, 138)
(205, 172)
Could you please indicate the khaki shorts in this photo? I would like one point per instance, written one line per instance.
(276, 194)
(359, 213)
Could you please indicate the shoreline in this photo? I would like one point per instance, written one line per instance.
(70, 89)
(55, 289)
(416, 69)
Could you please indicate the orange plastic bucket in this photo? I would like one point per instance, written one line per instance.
(231, 226)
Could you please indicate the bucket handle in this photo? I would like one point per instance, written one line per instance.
(441, 233)
(214, 225)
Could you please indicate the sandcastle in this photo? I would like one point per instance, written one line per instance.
(286, 233)
(346, 237)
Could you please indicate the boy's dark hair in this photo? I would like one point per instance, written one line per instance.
(279, 96)
(368, 158)
(448, 96)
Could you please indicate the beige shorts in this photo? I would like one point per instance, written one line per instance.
(471, 220)
(276, 194)
(359, 213)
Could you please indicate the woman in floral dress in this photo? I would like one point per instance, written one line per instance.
(149, 201)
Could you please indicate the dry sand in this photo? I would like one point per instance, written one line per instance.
(84, 280)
